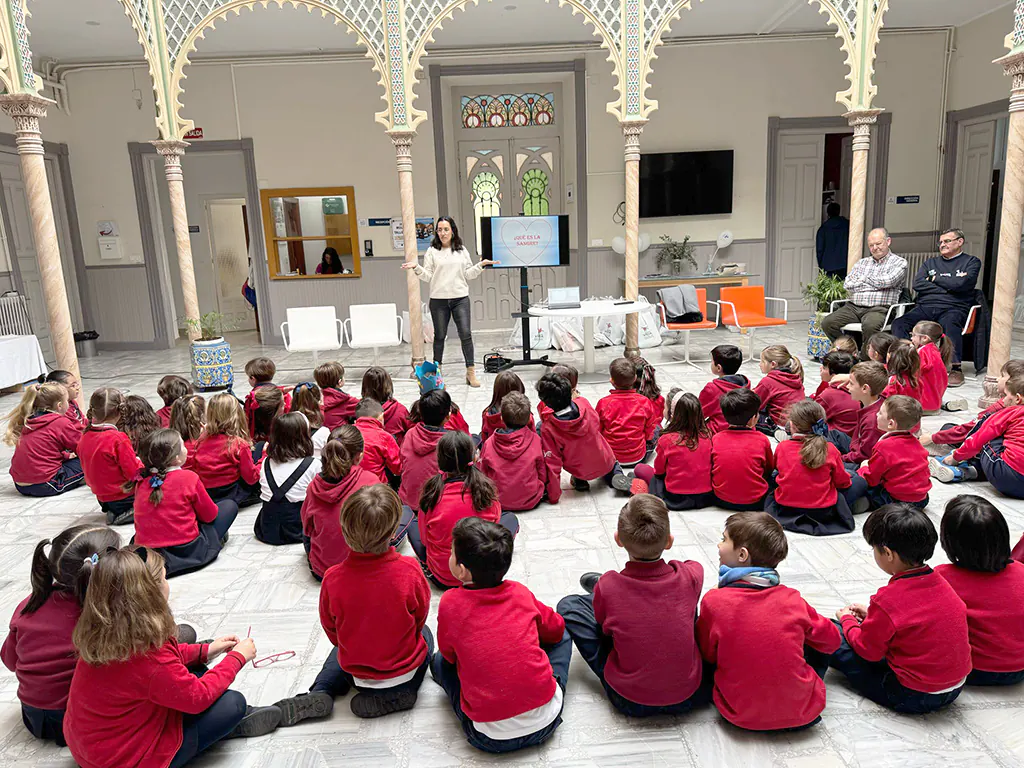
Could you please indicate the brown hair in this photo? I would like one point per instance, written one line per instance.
(369, 518)
(138, 419)
(187, 416)
(327, 375)
(938, 337)
(455, 453)
(761, 534)
(306, 400)
(106, 406)
(225, 416)
(1015, 385)
(340, 452)
(646, 384)
(685, 419)
(289, 438)
(262, 369)
(515, 410)
(125, 612)
(368, 408)
(37, 397)
(377, 384)
(880, 342)
(1012, 368)
(803, 415)
(623, 373)
(68, 566)
(872, 374)
(778, 354)
(504, 382)
(567, 372)
(269, 402)
(172, 387)
(644, 527)
(904, 410)
(156, 452)
(845, 343)
(904, 363)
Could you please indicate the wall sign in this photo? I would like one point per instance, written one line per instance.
(379, 223)
(195, 133)
(908, 199)
(193, 229)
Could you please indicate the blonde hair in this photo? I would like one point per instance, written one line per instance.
(225, 416)
(37, 397)
(125, 612)
(105, 404)
(778, 354)
(803, 415)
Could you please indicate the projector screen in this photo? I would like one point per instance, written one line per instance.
(525, 241)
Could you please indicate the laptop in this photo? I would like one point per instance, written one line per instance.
(564, 298)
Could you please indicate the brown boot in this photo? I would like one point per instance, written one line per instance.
(471, 378)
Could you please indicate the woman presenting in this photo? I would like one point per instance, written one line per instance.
(447, 266)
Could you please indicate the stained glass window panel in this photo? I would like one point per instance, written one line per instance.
(535, 193)
(486, 198)
(523, 110)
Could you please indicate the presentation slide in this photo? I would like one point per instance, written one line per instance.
(527, 241)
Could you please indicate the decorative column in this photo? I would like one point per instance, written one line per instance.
(403, 158)
(631, 130)
(861, 122)
(1008, 258)
(171, 151)
(26, 109)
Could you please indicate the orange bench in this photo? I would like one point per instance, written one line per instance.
(744, 307)
(685, 328)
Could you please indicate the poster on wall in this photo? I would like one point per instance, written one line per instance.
(424, 234)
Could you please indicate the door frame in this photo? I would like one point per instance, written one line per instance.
(217, 199)
(878, 173)
(993, 110)
(957, 202)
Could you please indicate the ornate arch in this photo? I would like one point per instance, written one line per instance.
(658, 17)
(145, 26)
(858, 25)
(16, 72)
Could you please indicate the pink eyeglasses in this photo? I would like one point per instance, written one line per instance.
(273, 658)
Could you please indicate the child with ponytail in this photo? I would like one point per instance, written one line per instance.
(459, 490)
(174, 514)
(188, 415)
(681, 474)
(904, 367)
(810, 477)
(287, 471)
(45, 442)
(306, 399)
(340, 476)
(108, 456)
(38, 649)
(224, 459)
(490, 419)
(267, 404)
(782, 386)
(377, 385)
(138, 419)
(936, 352)
(74, 388)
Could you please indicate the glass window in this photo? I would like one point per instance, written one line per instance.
(311, 232)
(523, 110)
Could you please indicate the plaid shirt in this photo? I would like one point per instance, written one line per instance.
(877, 283)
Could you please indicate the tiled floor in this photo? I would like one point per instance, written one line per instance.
(271, 589)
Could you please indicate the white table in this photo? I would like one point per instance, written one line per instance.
(22, 360)
(588, 310)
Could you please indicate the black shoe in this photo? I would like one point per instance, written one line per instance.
(378, 704)
(304, 707)
(588, 581)
(621, 483)
(258, 721)
(186, 634)
(125, 518)
(579, 485)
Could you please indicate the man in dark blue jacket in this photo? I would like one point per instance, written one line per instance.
(833, 242)
(945, 292)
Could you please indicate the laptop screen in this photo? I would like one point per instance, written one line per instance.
(569, 295)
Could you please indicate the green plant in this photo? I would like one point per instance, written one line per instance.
(210, 326)
(674, 252)
(823, 290)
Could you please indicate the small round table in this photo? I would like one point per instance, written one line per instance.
(588, 310)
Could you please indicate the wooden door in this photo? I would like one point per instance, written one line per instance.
(973, 183)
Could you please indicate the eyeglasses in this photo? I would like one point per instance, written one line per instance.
(949, 242)
(266, 661)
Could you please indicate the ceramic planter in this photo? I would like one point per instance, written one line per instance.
(211, 364)
(817, 342)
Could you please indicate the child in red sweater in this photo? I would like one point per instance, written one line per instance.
(976, 539)
(307, 400)
(647, 385)
(810, 481)
(340, 476)
(841, 410)
(38, 648)
(936, 353)
(380, 451)
(512, 457)
(909, 650)
(726, 360)
(627, 421)
(227, 464)
(491, 421)
(419, 449)
(898, 468)
(741, 457)
(955, 434)
(108, 458)
(877, 347)
(503, 656)
(377, 385)
(339, 406)
(373, 608)
(170, 388)
(681, 474)
(570, 374)
(188, 416)
(635, 628)
(268, 404)
(460, 490)
(766, 644)
(904, 368)
(138, 419)
(74, 387)
(261, 371)
(174, 514)
(866, 383)
(131, 708)
(782, 385)
(45, 441)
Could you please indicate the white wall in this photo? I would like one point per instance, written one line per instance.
(974, 79)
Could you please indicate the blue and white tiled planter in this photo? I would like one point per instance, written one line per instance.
(817, 342)
(211, 364)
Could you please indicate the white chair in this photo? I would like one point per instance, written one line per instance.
(372, 326)
(313, 329)
(896, 310)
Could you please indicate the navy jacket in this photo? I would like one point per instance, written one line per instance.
(947, 281)
(833, 242)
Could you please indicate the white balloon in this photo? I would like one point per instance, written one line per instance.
(619, 245)
(645, 242)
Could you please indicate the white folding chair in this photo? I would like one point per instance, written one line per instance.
(372, 326)
(895, 310)
(312, 329)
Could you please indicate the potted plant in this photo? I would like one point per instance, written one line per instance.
(211, 353)
(819, 295)
(675, 254)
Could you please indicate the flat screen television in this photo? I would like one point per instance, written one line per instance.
(525, 241)
(685, 183)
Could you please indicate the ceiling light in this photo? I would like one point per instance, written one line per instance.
(92, 23)
(510, 7)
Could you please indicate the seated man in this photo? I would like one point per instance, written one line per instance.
(945, 292)
(873, 285)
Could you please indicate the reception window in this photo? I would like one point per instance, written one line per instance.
(311, 232)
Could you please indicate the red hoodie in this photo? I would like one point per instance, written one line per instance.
(380, 450)
(778, 391)
(1007, 423)
(75, 414)
(956, 435)
(250, 406)
(396, 420)
(627, 423)
(457, 422)
(321, 517)
(108, 461)
(46, 442)
(491, 422)
(841, 410)
(164, 414)
(339, 407)
(220, 460)
(711, 396)
(898, 386)
(436, 526)
(574, 442)
(39, 651)
(419, 461)
(934, 377)
(514, 460)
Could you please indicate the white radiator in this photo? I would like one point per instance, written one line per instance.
(914, 263)
(14, 319)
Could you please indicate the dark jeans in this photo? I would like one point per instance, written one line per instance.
(950, 316)
(45, 724)
(876, 495)
(227, 511)
(595, 647)
(405, 522)
(757, 505)
(446, 675)
(70, 475)
(118, 507)
(202, 731)
(1001, 475)
(508, 521)
(442, 311)
(870, 318)
(977, 677)
(336, 681)
(875, 680)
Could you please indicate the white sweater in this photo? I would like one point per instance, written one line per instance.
(448, 273)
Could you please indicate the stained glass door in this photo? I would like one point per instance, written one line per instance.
(486, 191)
(536, 176)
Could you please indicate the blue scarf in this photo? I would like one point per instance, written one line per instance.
(761, 577)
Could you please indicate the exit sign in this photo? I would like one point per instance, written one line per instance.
(195, 133)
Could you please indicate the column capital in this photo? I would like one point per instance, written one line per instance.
(1013, 66)
(861, 122)
(26, 109)
(170, 149)
(631, 130)
(403, 149)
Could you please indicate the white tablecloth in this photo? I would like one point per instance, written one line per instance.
(21, 360)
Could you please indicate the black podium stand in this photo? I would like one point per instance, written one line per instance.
(524, 315)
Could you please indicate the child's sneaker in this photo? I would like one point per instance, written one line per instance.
(369, 705)
(588, 581)
(940, 470)
(956, 404)
(581, 485)
(304, 707)
(621, 482)
(258, 721)
(122, 518)
(781, 435)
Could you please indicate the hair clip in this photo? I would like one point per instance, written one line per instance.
(273, 658)
(155, 482)
(820, 428)
(95, 558)
(303, 385)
